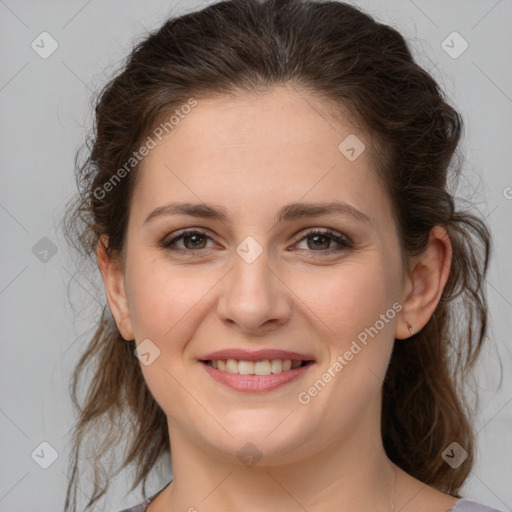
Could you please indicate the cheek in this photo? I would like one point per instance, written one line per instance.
(349, 297)
(165, 297)
(354, 310)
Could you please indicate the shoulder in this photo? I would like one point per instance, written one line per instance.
(141, 507)
(464, 505)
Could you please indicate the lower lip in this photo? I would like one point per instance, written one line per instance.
(255, 383)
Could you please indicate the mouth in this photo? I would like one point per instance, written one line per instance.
(251, 372)
(263, 367)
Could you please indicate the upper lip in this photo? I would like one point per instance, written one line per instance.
(258, 355)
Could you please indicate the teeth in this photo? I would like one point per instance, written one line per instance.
(232, 366)
(276, 366)
(245, 367)
(265, 367)
(262, 368)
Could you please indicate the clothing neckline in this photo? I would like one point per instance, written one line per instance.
(460, 501)
(153, 498)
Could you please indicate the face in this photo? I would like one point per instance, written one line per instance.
(260, 280)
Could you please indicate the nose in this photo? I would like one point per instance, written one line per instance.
(254, 297)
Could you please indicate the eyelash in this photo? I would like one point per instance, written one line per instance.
(343, 241)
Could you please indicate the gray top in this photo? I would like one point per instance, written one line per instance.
(462, 505)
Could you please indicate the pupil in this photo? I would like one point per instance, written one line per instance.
(316, 237)
(195, 237)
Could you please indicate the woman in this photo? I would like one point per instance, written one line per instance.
(266, 197)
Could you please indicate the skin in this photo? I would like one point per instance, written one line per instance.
(252, 155)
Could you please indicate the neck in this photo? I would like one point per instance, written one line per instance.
(352, 474)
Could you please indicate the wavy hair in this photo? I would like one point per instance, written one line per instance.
(366, 72)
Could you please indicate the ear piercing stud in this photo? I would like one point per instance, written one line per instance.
(409, 326)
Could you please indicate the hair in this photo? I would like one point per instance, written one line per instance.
(365, 72)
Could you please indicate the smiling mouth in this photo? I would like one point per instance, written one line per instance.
(264, 367)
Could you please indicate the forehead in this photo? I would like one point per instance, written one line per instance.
(253, 153)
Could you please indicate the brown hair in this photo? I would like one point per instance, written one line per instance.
(365, 70)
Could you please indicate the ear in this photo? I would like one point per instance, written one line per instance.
(425, 284)
(112, 272)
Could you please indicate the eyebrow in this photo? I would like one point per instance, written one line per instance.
(287, 213)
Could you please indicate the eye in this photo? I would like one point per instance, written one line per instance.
(195, 241)
(321, 240)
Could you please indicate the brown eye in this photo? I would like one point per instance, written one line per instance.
(197, 241)
(320, 241)
(192, 241)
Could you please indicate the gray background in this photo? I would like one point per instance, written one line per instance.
(45, 105)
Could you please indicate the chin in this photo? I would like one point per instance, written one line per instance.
(264, 436)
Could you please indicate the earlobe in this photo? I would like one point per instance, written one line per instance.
(112, 273)
(425, 284)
